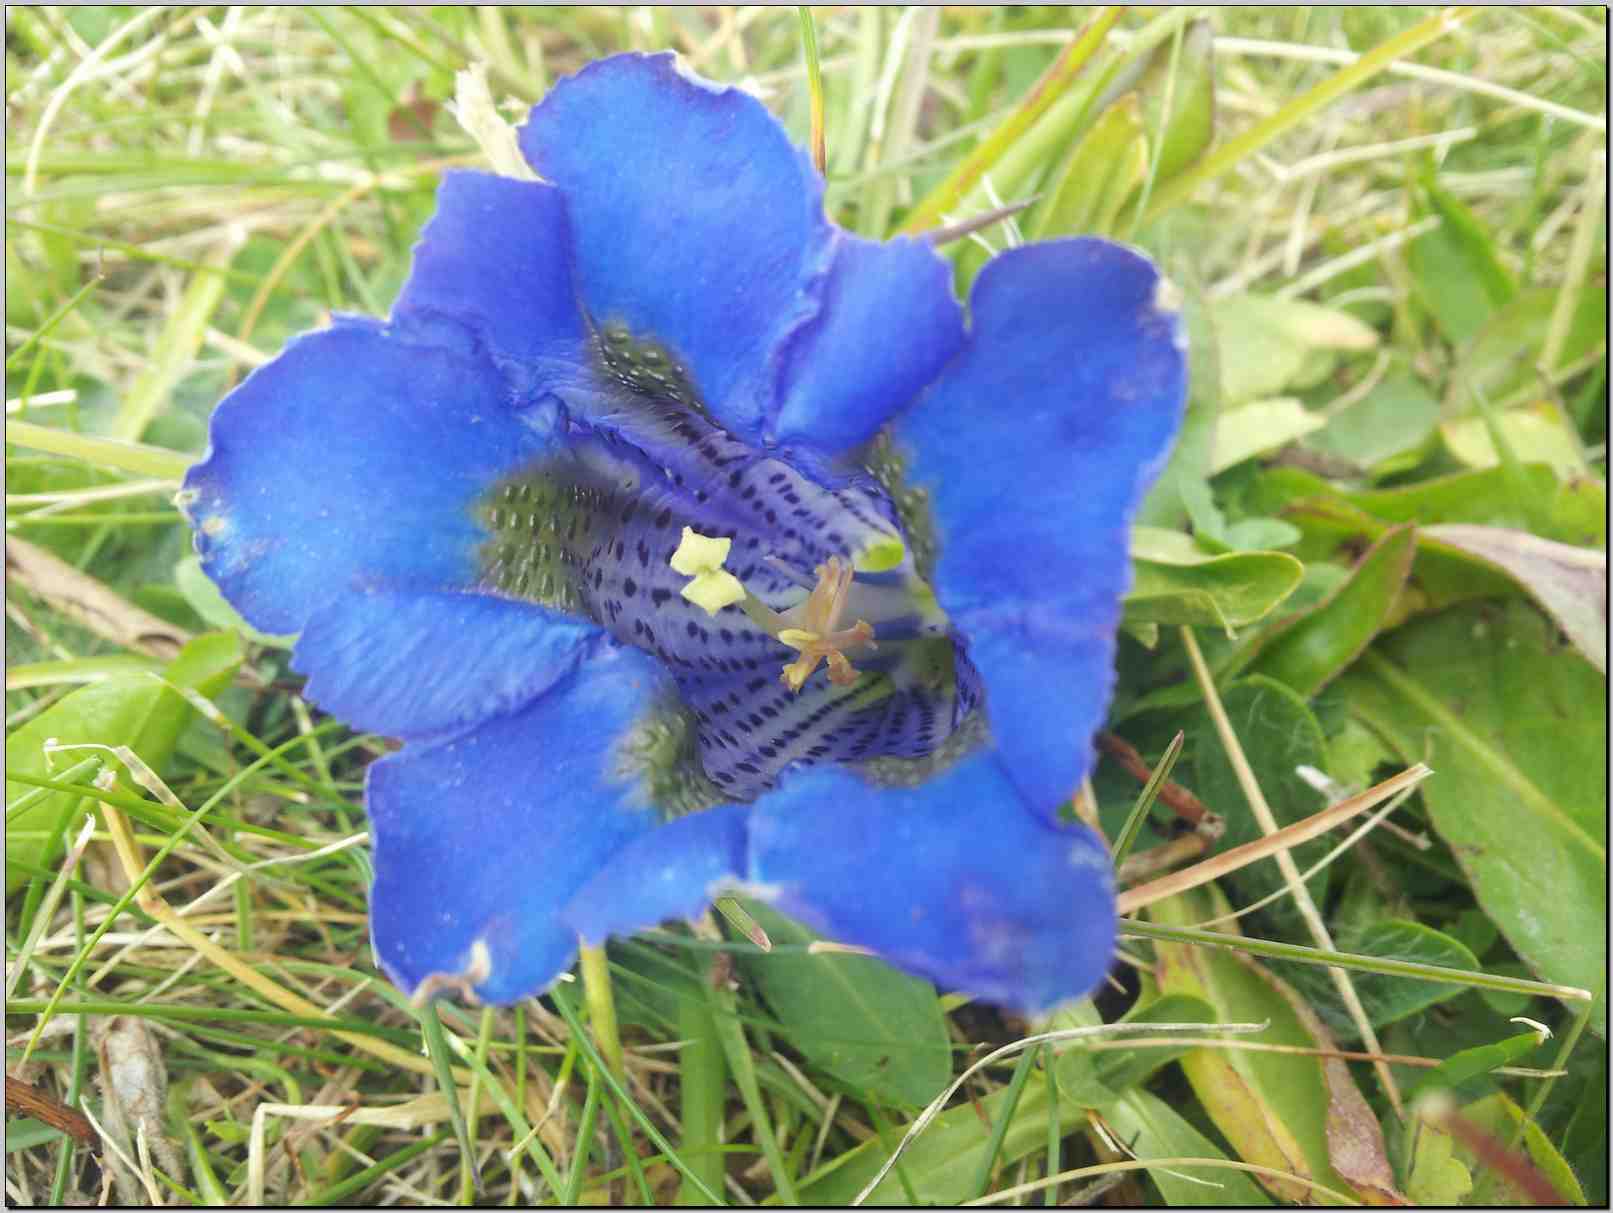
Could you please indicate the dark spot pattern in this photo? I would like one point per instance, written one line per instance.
(589, 532)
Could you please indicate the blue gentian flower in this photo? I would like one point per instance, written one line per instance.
(472, 512)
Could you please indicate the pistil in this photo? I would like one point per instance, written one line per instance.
(811, 627)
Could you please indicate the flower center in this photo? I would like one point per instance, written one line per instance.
(745, 576)
(809, 628)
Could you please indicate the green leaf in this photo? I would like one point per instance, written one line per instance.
(1385, 999)
(1570, 582)
(1119, 1070)
(1310, 651)
(1500, 1117)
(1300, 1114)
(1335, 524)
(24, 1133)
(1152, 1129)
(1515, 725)
(1107, 165)
(1476, 497)
(1460, 279)
(1461, 1068)
(1186, 133)
(1260, 426)
(134, 710)
(1176, 582)
(943, 1162)
(1265, 343)
(878, 1031)
(1393, 419)
(1536, 433)
(1278, 734)
(1500, 360)
(1437, 1176)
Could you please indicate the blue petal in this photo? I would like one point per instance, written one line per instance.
(889, 323)
(696, 222)
(1036, 447)
(496, 257)
(414, 665)
(955, 880)
(671, 873)
(352, 461)
(481, 840)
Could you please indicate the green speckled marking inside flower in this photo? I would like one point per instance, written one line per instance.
(534, 524)
(645, 368)
(662, 752)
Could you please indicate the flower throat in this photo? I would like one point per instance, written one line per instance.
(835, 648)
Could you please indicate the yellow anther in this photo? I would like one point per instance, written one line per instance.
(809, 627)
(700, 557)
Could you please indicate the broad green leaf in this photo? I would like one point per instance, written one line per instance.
(1278, 734)
(1437, 1176)
(1570, 582)
(943, 1161)
(1265, 343)
(1385, 999)
(1391, 421)
(1536, 433)
(132, 710)
(1310, 651)
(1300, 1114)
(1501, 359)
(1477, 497)
(1077, 1068)
(1500, 1117)
(876, 1030)
(1577, 513)
(1476, 244)
(1459, 279)
(1515, 725)
(1176, 582)
(1257, 534)
(1336, 524)
(1152, 1129)
(1260, 426)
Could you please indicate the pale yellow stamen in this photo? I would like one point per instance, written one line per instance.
(808, 627)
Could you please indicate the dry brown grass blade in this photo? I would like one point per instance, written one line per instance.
(1282, 841)
(87, 601)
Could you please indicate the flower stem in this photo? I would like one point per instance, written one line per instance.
(602, 1007)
